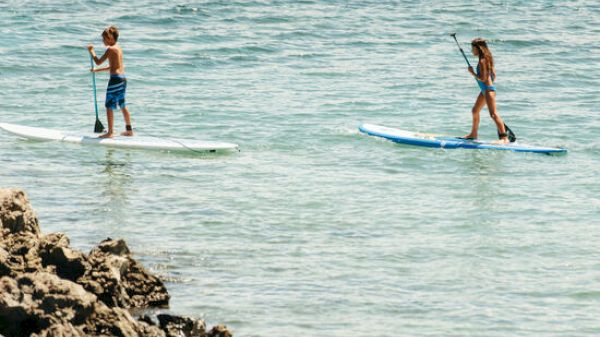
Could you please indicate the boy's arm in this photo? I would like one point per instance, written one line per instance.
(97, 70)
(97, 60)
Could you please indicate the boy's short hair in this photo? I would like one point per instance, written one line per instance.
(111, 31)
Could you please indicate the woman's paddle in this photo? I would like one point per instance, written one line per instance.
(511, 135)
(98, 128)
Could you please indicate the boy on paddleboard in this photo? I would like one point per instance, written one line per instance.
(117, 85)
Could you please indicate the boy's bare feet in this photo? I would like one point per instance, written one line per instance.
(127, 133)
(503, 140)
(106, 135)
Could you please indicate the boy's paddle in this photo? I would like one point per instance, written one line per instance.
(98, 128)
(511, 135)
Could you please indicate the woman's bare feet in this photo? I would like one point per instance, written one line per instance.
(503, 140)
(127, 133)
(106, 135)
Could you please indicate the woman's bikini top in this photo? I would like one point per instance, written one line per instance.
(482, 85)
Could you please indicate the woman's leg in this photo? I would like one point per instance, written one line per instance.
(490, 99)
(479, 103)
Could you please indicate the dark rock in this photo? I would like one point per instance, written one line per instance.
(16, 215)
(44, 304)
(118, 280)
(48, 289)
(113, 247)
(175, 326)
(35, 301)
(143, 288)
(219, 331)
(22, 249)
(70, 264)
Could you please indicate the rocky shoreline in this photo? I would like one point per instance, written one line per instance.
(49, 289)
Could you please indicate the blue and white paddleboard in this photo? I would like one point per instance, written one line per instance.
(446, 142)
(135, 142)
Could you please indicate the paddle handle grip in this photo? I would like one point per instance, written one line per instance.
(461, 50)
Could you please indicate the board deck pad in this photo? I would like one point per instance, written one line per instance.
(446, 142)
(135, 142)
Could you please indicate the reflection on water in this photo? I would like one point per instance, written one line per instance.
(116, 181)
(483, 188)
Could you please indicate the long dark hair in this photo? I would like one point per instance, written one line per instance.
(484, 52)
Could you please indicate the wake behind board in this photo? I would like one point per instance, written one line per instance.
(431, 140)
(136, 142)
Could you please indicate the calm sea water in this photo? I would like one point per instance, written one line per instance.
(313, 229)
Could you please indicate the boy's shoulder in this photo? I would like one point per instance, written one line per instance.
(114, 48)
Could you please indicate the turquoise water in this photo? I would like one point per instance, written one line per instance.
(313, 229)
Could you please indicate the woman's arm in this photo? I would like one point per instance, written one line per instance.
(483, 72)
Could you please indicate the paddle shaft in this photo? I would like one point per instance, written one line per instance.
(461, 50)
(94, 85)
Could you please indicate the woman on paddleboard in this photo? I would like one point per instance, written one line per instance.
(485, 76)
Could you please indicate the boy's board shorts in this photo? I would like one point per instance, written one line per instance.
(115, 92)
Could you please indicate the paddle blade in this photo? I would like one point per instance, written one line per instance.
(98, 128)
(511, 135)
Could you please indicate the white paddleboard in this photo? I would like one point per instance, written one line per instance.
(135, 142)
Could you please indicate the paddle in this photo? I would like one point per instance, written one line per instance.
(511, 135)
(98, 128)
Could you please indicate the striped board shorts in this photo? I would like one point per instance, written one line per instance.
(115, 92)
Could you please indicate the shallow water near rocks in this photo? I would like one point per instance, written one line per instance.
(314, 229)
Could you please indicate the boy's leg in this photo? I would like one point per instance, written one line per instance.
(128, 130)
(110, 118)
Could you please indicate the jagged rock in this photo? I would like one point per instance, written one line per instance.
(35, 301)
(113, 247)
(22, 249)
(48, 289)
(70, 264)
(46, 305)
(16, 215)
(52, 240)
(219, 331)
(118, 280)
(176, 326)
(143, 288)
(60, 330)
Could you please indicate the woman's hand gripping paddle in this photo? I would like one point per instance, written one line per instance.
(511, 136)
(98, 128)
